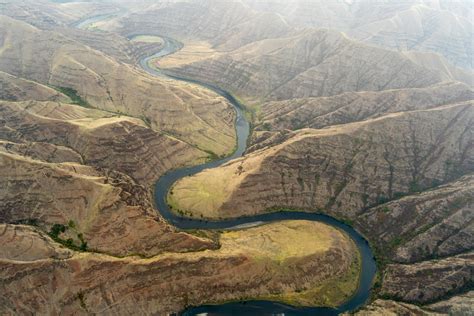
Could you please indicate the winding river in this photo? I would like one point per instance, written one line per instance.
(163, 185)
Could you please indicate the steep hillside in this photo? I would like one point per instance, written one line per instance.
(112, 44)
(340, 170)
(429, 281)
(186, 111)
(311, 63)
(361, 110)
(227, 25)
(432, 224)
(105, 211)
(455, 305)
(383, 176)
(424, 29)
(244, 266)
(458, 304)
(351, 107)
(47, 14)
(18, 89)
(102, 139)
(443, 27)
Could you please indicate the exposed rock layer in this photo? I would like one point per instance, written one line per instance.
(101, 139)
(343, 169)
(93, 283)
(429, 281)
(112, 212)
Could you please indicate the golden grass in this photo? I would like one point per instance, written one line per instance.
(331, 292)
(147, 39)
(296, 239)
(281, 241)
(203, 194)
(192, 51)
(190, 113)
(278, 246)
(100, 122)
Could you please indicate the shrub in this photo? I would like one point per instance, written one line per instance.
(57, 229)
(386, 209)
(74, 96)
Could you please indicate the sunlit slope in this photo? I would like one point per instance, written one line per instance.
(351, 107)
(405, 180)
(245, 266)
(442, 27)
(188, 112)
(19, 89)
(340, 170)
(102, 139)
(310, 63)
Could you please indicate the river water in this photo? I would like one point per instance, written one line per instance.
(163, 185)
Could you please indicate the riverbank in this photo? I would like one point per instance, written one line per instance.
(242, 127)
(163, 185)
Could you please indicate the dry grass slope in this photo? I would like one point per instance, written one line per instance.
(188, 112)
(243, 267)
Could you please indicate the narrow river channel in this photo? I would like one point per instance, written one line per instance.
(163, 185)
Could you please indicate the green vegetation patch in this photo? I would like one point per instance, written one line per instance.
(73, 95)
(386, 209)
(58, 229)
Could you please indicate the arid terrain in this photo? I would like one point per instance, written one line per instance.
(248, 264)
(359, 110)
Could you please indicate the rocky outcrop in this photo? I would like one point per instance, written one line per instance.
(351, 107)
(428, 281)
(42, 151)
(111, 212)
(119, 143)
(392, 308)
(18, 89)
(94, 283)
(341, 170)
(456, 305)
(23, 243)
(433, 224)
